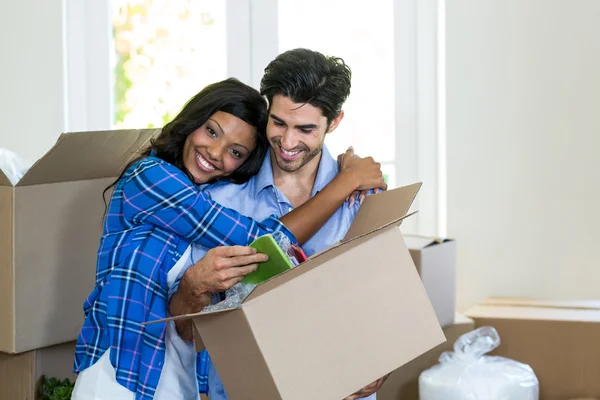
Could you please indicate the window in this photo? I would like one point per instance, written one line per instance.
(165, 51)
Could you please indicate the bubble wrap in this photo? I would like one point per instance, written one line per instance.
(233, 297)
(283, 241)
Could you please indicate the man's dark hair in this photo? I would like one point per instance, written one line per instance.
(307, 76)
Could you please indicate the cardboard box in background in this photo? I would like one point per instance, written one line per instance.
(50, 228)
(310, 331)
(20, 373)
(560, 340)
(403, 383)
(435, 260)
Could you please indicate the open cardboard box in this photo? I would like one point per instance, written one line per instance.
(50, 228)
(346, 317)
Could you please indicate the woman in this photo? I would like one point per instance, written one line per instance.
(157, 210)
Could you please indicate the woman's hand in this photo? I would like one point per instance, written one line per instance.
(223, 267)
(220, 269)
(365, 173)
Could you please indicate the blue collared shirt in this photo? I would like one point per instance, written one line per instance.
(259, 198)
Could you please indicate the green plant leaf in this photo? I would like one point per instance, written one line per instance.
(55, 389)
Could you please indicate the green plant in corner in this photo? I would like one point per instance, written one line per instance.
(55, 389)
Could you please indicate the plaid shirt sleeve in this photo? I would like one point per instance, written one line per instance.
(160, 194)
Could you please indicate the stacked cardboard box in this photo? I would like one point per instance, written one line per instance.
(558, 339)
(50, 227)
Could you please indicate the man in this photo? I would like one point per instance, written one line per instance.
(306, 91)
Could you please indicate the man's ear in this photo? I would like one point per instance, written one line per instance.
(335, 122)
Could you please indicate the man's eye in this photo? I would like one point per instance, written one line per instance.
(211, 131)
(277, 123)
(306, 130)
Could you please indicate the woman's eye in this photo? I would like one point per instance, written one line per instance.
(211, 132)
(236, 153)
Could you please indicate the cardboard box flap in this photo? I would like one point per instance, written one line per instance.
(317, 259)
(88, 155)
(313, 262)
(591, 304)
(421, 242)
(381, 209)
(193, 315)
(4, 179)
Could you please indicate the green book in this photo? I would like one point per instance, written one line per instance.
(278, 261)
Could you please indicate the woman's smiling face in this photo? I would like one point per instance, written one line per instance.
(218, 148)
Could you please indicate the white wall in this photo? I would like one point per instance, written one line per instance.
(31, 76)
(523, 113)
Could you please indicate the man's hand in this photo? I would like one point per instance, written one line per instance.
(368, 390)
(220, 269)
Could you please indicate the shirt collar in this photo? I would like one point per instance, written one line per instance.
(328, 169)
(264, 178)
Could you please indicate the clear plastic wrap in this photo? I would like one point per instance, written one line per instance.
(13, 166)
(468, 374)
(238, 292)
(283, 241)
(233, 297)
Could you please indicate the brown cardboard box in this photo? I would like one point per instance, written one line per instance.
(50, 227)
(435, 260)
(20, 374)
(403, 383)
(560, 340)
(312, 329)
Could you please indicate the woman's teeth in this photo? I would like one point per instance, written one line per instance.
(208, 166)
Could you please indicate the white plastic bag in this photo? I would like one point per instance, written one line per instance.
(13, 166)
(468, 374)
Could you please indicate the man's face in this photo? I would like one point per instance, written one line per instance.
(296, 133)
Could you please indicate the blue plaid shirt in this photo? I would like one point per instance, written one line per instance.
(153, 216)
